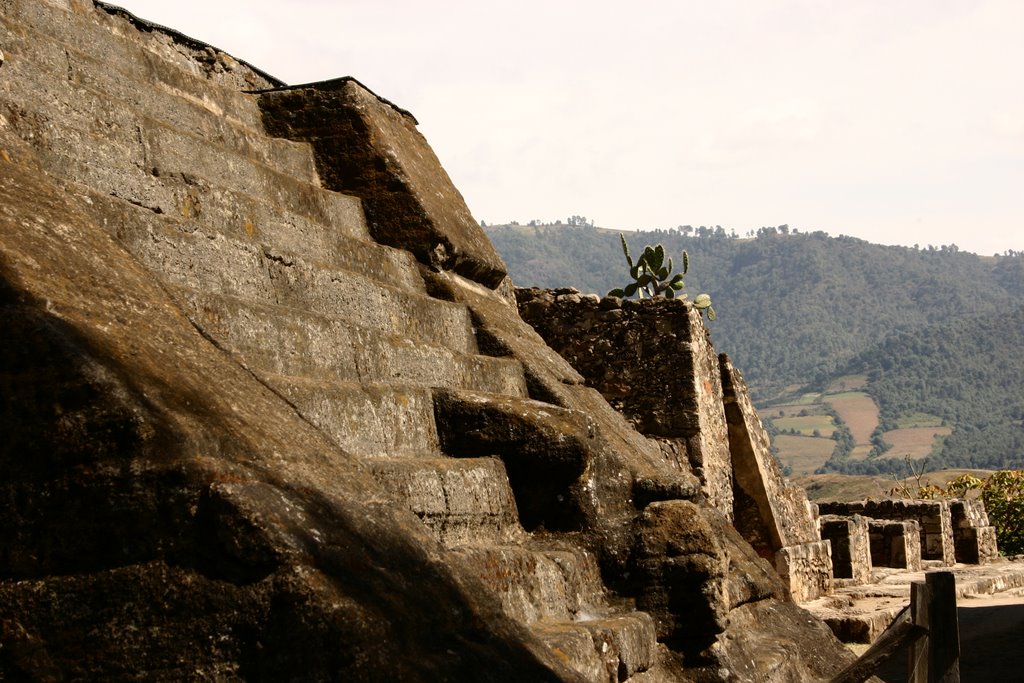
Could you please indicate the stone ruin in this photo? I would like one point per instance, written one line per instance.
(270, 411)
(909, 534)
(654, 362)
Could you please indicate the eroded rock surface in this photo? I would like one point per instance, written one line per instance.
(258, 429)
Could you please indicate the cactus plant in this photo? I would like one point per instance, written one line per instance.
(652, 277)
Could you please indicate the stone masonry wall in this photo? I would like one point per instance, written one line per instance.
(974, 539)
(653, 360)
(851, 549)
(655, 364)
(764, 500)
(932, 516)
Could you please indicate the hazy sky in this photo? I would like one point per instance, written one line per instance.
(897, 121)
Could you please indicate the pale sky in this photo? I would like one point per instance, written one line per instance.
(896, 121)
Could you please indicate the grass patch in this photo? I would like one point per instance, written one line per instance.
(788, 400)
(845, 487)
(803, 453)
(918, 420)
(776, 412)
(913, 442)
(858, 411)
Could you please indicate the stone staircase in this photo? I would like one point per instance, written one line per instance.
(283, 275)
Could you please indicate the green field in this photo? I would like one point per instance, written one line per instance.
(919, 420)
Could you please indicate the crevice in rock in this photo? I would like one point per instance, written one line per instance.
(135, 202)
(277, 258)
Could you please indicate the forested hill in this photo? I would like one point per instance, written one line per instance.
(801, 308)
(969, 371)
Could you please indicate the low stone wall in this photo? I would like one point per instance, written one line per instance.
(806, 568)
(895, 544)
(933, 517)
(974, 540)
(851, 547)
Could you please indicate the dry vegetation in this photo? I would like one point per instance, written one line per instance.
(833, 486)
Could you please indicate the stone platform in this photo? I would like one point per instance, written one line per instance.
(859, 613)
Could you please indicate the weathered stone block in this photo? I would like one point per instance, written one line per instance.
(851, 546)
(629, 643)
(368, 420)
(537, 584)
(368, 147)
(973, 539)
(895, 544)
(976, 545)
(458, 499)
(695, 569)
(806, 568)
(653, 361)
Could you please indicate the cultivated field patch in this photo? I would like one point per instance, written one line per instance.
(803, 454)
(860, 452)
(847, 383)
(858, 411)
(919, 420)
(807, 424)
(913, 442)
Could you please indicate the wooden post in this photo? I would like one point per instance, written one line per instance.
(917, 653)
(943, 629)
(935, 658)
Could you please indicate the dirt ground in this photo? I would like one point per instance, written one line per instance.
(991, 641)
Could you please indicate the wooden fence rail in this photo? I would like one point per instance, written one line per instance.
(929, 626)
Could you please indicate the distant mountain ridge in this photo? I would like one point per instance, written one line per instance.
(799, 309)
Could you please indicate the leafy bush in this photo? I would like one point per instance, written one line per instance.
(1003, 495)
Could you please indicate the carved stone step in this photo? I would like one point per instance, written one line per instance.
(152, 58)
(110, 106)
(275, 340)
(218, 265)
(538, 583)
(135, 171)
(611, 648)
(123, 171)
(367, 420)
(459, 500)
(257, 226)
